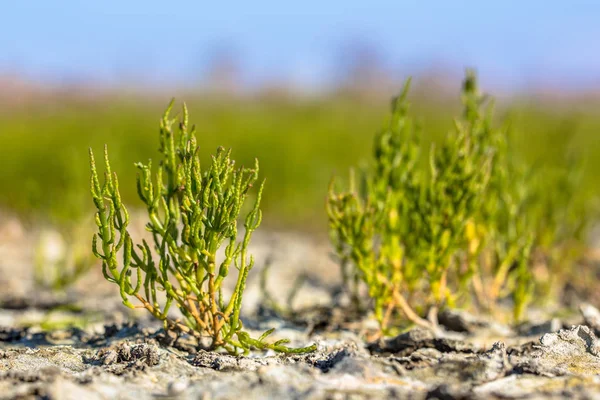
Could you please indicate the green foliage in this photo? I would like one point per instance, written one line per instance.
(562, 219)
(192, 212)
(499, 236)
(45, 150)
(402, 230)
(43, 144)
(422, 238)
(534, 222)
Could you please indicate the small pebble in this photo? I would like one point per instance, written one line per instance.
(176, 388)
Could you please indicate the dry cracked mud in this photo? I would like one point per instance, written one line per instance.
(85, 345)
(129, 362)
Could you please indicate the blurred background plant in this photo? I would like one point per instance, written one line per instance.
(475, 220)
(62, 255)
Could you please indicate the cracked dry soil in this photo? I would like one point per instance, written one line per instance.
(135, 363)
(100, 350)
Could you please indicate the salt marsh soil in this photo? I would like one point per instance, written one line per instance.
(84, 344)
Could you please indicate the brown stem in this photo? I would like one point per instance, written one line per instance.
(213, 308)
(387, 315)
(194, 311)
(171, 325)
(410, 313)
(480, 296)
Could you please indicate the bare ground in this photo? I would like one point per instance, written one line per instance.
(85, 345)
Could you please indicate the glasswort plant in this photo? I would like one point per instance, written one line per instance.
(402, 230)
(192, 213)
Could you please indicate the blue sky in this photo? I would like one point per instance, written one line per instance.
(170, 41)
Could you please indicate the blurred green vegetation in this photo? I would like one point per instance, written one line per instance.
(300, 143)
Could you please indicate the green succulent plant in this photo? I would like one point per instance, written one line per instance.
(406, 231)
(192, 213)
